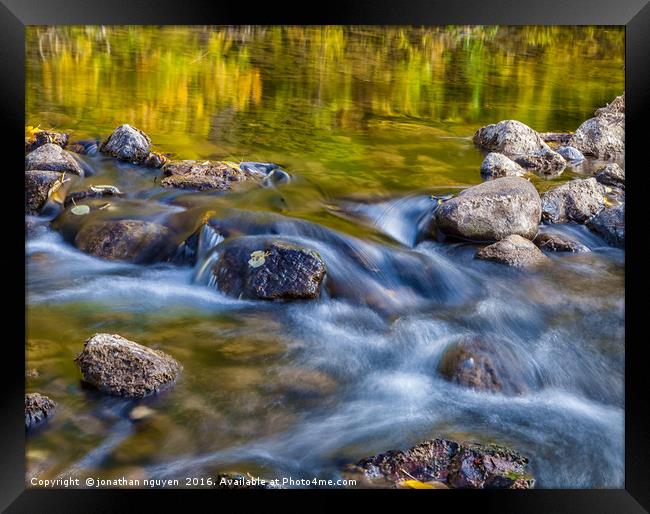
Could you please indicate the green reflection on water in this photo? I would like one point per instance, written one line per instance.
(351, 108)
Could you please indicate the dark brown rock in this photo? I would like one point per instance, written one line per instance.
(268, 270)
(459, 465)
(514, 251)
(201, 175)
(128, 240)
(555, 243)
(43, 137)
(92, 192)
(38, 409)
(51, 157)
(483, 366)
(477, 466)
(120, 367)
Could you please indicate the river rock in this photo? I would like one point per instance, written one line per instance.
(498, 165)
(43, 137)
(480, 365)
(611, 175)
(492, 210)
(38, 409)
(127, 240)
(610, 225)
(459, 465)
(555, 137)
(127, 143)
(201, 175)
(37, 186)
(571, 154)
(509, 137)
(513, 250)
(269, 270)
(616, 107)
(577, 200)
(603, 136)
(476, 466)
(555, 243)
(545, 161)
(92, 192)
(51, 157)
(121, 367)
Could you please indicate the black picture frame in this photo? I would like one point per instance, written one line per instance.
(634, 14)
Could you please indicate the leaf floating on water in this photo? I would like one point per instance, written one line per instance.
(106, 189)
(80, 210)
(416, 484)
(257, 258)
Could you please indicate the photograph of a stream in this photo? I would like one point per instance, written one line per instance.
(325, 256)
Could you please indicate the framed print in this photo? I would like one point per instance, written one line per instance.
(364, 251)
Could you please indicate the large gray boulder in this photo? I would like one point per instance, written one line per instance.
(268, 270)
(38, 184)
(498, 165)
(492, 210)
(126, 240)
(610, 225)
(603, 136)
(577, 200)
(127, 143)
(38, 409)
(513, 250)
(509, 137)
(455, 464)
(120, 367)
(611, 175)
(51, 157)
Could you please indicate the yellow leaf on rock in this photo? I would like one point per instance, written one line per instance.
(416, 484)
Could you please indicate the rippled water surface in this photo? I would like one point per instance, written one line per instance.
(369, 122)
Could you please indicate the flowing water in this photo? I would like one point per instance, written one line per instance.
(370, 122)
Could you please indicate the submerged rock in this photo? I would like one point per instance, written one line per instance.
(477, 364)
(610, 225)
(120, 367)
(611, 175)
(38, 409)
(43, 137)
(577, 200)
(128, 240)
(498, 165)
(459, 465)
(268, 270)
(509, 137)
(513, 250)
(92, 192)
(603, 136)
(51, 157)
(555, 243)
(555, 137)
(201, 175)
(492, 211)
(38, 184)
(571, 154)
(545, 161)
(127, 143)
